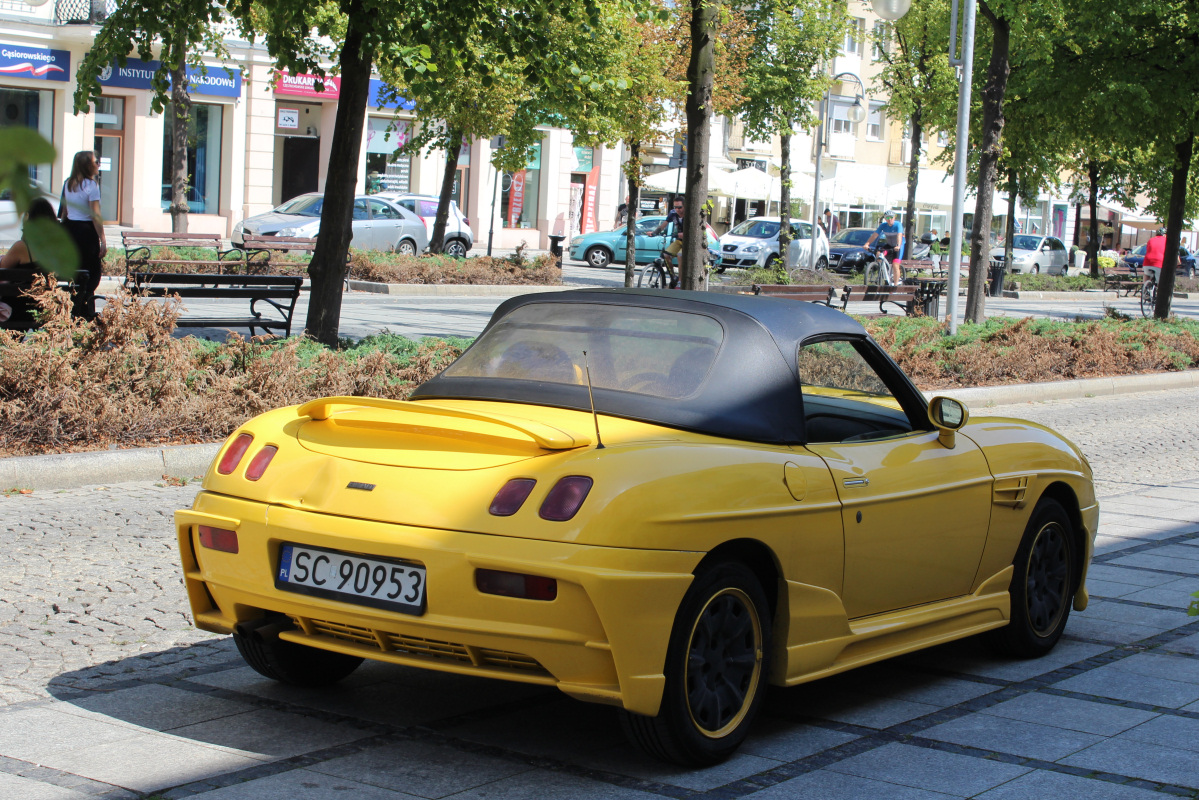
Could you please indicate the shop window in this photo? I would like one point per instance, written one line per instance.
(203, 158)
(385, 171)
(519, 201)
(30, 108)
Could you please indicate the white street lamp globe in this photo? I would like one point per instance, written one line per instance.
(856, 112)
(891, 9)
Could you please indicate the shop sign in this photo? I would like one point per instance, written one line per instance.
(584, 159)
(289, 118)
(39, 63)
(305, 85)
(516, 200)
(138, 74)
(378, 99)
(590, 204)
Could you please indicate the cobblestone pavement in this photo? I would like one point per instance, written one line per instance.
(106, 690)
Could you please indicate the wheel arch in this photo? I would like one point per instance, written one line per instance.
(760, 559)
(1068, 500)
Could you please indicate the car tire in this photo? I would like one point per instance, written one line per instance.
(716, 670)
(772, 262)
(597, 257)
(406, 247)
(1036, 268)
(288, 662)
(454, 248)
(822, 263)
(1043, 583)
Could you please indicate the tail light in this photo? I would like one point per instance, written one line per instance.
(218, 539)
(511, 497)
(234, 453)
(260, 461)
(565, 499)
(515, 584)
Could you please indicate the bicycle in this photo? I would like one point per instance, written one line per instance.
(1149, 294)
(656, 275)
(879, 272)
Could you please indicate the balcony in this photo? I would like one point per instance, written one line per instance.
(83, 12)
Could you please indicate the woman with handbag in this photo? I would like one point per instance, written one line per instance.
(79, 210)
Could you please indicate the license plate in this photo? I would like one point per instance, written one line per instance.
(380, 583)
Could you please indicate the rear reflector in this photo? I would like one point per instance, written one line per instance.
(260, 461)
(233, 454)
(514, 584)
(511, 497)
(565, 498)
(218, 539)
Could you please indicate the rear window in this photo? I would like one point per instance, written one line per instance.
(656, 352)
(426, 208)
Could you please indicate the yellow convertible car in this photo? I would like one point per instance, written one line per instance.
(662, 501)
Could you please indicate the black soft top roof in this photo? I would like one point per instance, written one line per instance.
(751, 393)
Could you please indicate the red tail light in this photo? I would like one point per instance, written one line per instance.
(514, 584)
(511, 497)
(218, 539)
(234, 453)
(261, 460)
(565, 498)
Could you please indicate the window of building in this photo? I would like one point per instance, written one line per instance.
(875, 122)
(841, 122)
(30, 108)
(854, 35)
(942, 139)
(203, 158)
(519, 200)
(880, 41)
(385, 171)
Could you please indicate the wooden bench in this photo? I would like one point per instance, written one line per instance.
(139, 248)
(903, 296)
(1123, 278)
(920, 265)
(16, 281)
(259, 248)
(808, 294)
(279, 292)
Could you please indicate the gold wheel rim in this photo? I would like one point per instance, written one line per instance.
(724, 663)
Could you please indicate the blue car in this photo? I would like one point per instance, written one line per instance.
(604, 247)
(1186, 260)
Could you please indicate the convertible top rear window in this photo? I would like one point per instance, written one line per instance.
(658, 352)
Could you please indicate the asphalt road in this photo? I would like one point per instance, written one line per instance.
(107, 691)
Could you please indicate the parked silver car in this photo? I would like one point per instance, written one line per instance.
(379, 224)
(1033, 253)
(458, 235)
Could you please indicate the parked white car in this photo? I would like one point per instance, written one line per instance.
(458, 235)
(755, 243)
(1032, 254)
(378, 224)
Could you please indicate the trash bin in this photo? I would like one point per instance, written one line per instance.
(556, 245)
(996, 275)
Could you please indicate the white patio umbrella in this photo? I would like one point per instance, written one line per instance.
(675, 180)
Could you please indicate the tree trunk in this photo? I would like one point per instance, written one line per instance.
(700, 72)
(630, 231)
(1011, 226)
(909, 213)
(453, 149)
(329, 258)
(989, 152)
(180, 116)
(785, 200)
(1093, 227)
(1184, 150)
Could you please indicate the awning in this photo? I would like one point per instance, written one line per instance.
(675, 180)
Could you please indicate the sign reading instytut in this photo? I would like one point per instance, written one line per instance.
(289, 118)
(137, 74)
(39, 63)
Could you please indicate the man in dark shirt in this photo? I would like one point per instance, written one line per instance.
(672, 250)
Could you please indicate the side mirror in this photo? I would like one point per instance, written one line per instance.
(948, 416)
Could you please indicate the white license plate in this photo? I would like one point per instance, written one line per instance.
(375, 582)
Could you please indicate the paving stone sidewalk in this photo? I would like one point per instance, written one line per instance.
(107, 691)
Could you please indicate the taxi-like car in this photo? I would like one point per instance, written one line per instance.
(659, 500)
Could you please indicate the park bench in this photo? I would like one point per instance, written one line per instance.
(140, 246)
(809, 294)
(278, 292)
(259, 249)
(920, 265)
(902, 296)
(1123, 278)
(15, 282)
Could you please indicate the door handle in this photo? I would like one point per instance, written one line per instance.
(856, 481)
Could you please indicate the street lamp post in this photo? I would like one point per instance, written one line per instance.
(965, 62)
(856, 114)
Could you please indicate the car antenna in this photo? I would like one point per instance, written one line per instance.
(599, 444)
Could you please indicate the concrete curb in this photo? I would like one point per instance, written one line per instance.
(453, 289)
(72, 470)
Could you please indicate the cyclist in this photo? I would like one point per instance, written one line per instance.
(1155, 254)
(890, 236)
(673, 249)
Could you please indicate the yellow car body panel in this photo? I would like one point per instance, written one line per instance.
(926, 562)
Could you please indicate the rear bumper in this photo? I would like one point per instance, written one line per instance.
(603, 639)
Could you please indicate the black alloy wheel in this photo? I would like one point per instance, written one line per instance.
(1043, 583)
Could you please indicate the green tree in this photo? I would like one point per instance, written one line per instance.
(180, 30)
(20, 149)
(784, 82)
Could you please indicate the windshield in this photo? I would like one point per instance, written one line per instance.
(1140, 251)
(756, 229)
(305, 206)
(857, 236)
(649, 351)
(1026, 242)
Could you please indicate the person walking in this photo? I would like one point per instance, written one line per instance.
(79, 210)
(831, 223)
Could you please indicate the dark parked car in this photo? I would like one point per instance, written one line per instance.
(1186, 260)
(847, 251)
